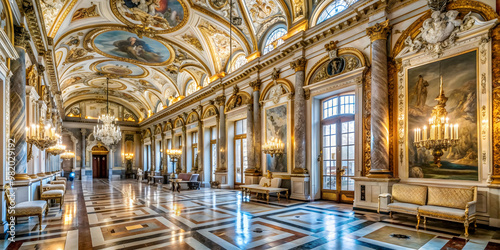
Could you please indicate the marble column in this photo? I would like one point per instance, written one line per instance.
(221, 161)
(18, 113)
(299, 128)
(152, 152)
(257, 131)
(84, 152)
(379, 101)
(251, 173)
(184, 149)
(200, 143)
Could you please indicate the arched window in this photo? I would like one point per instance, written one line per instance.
(191, 87)
(333, 9)
(238, 61)
(159, 107)
(270, 43)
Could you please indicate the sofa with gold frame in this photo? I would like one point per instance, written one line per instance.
(444, 203)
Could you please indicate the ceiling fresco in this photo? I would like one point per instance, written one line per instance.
(151, 49)
(119, 68)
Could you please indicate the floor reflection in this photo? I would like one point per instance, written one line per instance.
(124, 214)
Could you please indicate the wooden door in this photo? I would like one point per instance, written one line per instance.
(99, 166)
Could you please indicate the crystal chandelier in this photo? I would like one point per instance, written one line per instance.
(108, 133)
(57, 149)
(67, 155)
(441, 135)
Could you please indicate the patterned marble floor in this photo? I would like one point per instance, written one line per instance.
(102, 214)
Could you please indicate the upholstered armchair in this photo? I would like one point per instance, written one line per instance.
(27, 208)
(51, 194)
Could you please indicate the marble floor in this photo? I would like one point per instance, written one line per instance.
(124, 214)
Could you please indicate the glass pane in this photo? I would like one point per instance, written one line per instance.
(351, 152)
(245, 160)
(239, 127)
(350, 169)
(244, 126)
(333, 140)
(237, 160)
(326, 153)
(351, 138)
(344, 153)
(214, 160)
(326, 141)
(351, 126)
(344, 139)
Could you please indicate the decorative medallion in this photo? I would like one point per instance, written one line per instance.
(218, 4)
(119, 68)
(101, 83)
(123, 45)
(161, 16)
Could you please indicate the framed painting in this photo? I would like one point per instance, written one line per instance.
(456, 79)
(276, 128)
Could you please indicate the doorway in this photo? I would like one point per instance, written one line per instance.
(338, 148)
(99, 162)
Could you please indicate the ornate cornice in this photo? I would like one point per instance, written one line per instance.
(379, 31)
(299, 64)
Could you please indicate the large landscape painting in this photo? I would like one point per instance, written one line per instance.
(459, 74)
(276, 118)
(122, 44)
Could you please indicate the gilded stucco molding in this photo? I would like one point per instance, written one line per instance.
(495, 44)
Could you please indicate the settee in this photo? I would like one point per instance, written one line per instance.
(444, 203)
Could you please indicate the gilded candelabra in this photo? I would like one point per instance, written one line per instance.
(175, 155)
(274, 147)
(42, 136)
(441, 135)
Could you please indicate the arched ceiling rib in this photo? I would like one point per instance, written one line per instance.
(150, 48)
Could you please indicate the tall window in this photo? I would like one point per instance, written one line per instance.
(240, 151)
(239, 61)
(273, 40)
(213, 150)
(333, 9)
(194, 146)
(191, 87)
(338, 139)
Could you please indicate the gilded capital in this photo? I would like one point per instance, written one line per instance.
(220, 100)
(299, 64)
(379, 31)
(22, 36)
(255, 84)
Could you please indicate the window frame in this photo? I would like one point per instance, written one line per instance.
(241, 137)
(213, 130)
(276, 42)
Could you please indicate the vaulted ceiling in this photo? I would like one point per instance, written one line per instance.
(150, 49)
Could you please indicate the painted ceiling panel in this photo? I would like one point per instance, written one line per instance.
(150, 49)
